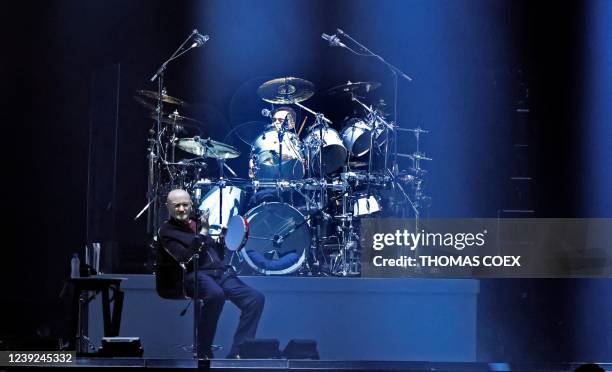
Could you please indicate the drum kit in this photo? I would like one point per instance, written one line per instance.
(299, 210)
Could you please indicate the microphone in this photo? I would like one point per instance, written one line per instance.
(199, 40)
(333, 40)
(267, 113)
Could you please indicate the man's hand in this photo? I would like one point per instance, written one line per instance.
(204, 225)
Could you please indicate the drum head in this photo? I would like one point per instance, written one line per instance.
(278, 238)
(237, 233)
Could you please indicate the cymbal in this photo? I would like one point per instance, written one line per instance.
(358, 88)
(165, 98)
(175, 118)
(207, 148)
(286, 90)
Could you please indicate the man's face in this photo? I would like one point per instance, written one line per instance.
(179, 205)
(279, 118)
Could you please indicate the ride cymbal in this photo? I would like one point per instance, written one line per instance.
(286, 90)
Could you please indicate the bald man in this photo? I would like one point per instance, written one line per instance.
(181, 236)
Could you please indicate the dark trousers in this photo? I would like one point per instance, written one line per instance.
(214, 290)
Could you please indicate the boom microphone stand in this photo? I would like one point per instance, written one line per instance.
(396, 72)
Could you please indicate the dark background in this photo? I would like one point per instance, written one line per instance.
(72, 66)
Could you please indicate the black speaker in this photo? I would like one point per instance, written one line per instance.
(301, 349)
(129, 347)
(260, 348)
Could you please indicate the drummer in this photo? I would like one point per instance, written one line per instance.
(279, 117)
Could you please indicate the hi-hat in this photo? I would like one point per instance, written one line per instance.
(286, 90)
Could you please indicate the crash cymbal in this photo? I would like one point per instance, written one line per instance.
(207, 148)
(165, 98)
(357, 88)
(286, 90)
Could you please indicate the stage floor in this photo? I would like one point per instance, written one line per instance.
(349, 318)
(320, 365)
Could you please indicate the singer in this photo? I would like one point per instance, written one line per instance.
(181, 236)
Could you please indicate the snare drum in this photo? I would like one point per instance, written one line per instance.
(273, 238)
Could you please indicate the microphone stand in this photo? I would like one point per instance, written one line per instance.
(155, 145)
(396, 72)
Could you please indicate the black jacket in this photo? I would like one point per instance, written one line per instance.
(182, 242)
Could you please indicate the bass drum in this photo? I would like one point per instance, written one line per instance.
(265, 156)
(334, 152)
(356, 136)
(274, 238)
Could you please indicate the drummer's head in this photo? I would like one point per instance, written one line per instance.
(280, 114)
(179, 205)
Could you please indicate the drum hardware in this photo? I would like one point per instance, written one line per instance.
(362, 87)
(416, 156)
(396, 72)
(346, 262)
(321, 123)
(376, 121)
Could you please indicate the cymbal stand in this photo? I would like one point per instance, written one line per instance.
(348, 261)
(321, 121)
(376, 117)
